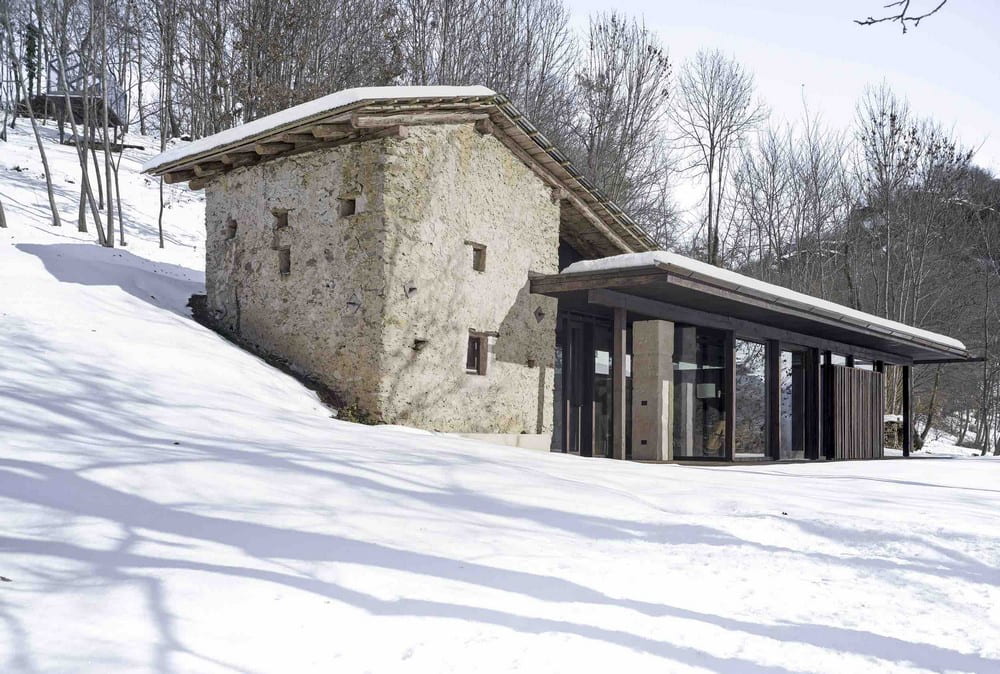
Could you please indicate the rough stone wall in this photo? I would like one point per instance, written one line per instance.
(447, 185)
(324, 315)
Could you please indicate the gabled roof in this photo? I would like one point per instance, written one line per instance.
(590, 221)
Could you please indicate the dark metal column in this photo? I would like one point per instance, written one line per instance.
(907, 410)
(774, 398)
(587, 377)
(814, 405)
(729, 396)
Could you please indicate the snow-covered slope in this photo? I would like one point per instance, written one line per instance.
(169, 503)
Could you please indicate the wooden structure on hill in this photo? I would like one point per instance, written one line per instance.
(82, 85)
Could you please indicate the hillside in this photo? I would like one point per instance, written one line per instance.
(170, 503)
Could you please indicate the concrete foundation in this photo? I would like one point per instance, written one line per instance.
(539, 441)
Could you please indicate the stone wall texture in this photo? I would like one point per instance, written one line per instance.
(325, 315)
(448, 185)
(379, 304)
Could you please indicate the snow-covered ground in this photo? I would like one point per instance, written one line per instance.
(169, 503)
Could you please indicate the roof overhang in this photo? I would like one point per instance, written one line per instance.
(589, 220)
(663, 291)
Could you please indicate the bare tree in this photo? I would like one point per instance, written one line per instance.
(900, 13)
(713, 112)
(623, 91)
(29, 104)
(86, 193)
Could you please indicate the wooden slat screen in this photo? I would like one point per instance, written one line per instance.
(855, 405)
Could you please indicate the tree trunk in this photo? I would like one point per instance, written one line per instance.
(16, 64)
(963, 428)
(930, 406)
(983, 435)
(82, 154)
(105, 99)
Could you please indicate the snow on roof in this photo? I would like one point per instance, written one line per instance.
(757, 287)
(305, 111)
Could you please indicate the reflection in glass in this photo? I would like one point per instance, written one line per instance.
(750, 428)
(557, 397)
(602, 393)
(699, 405)
(793, 404)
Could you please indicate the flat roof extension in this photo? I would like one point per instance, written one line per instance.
(672, 280)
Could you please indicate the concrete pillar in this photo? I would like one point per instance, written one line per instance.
(652, 388)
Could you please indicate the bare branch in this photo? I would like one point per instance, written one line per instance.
(903, 16)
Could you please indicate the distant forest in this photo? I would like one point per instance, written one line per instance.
(891, 215)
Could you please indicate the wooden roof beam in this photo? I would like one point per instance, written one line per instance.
(324, 131)
(271, 147)
(375, 121)
(209, 168)
(239, 158)
(297, 137)
(178, 176)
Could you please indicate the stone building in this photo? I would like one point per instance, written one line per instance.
(429, 255)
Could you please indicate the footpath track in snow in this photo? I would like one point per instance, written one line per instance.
(169, 503)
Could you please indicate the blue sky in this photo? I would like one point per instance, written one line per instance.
(946, 68)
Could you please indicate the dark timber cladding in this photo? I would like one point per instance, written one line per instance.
(855, 412)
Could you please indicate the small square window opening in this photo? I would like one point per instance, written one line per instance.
(280, 219)
(347, 207)
(230, 229)
(478, 255)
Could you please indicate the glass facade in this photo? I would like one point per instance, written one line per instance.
(776, 388)
(792, 378)
(750, 426)
(583, 421)
(602, 392)
(699, 403)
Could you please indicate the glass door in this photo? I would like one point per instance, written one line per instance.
(583, 395)
(793, 375)
(573, 385)
(602, 391)
(750, 426)
(699, 385)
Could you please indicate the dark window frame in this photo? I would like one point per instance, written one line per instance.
(477, 352)
(285, 261)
